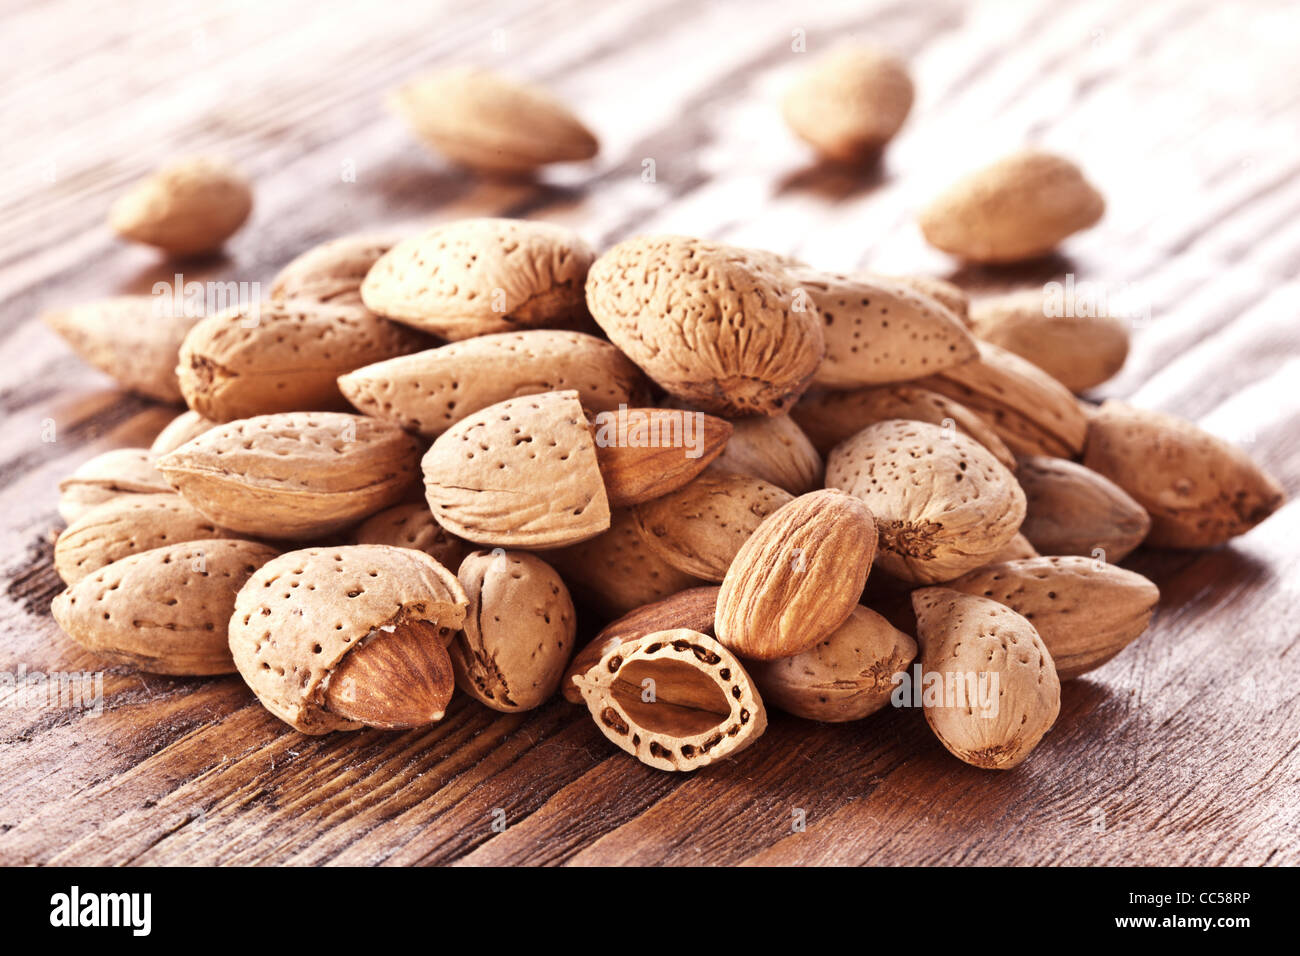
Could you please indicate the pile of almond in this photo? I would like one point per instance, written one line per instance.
(773, 485)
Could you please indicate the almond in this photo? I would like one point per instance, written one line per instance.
(1070, 509)
(1085, 611)
(645, 453)
(617, 571)
(121, 471)
(797, 577)
(187, 207)
(966, 644)
(519, 631)
(1019, 208)
(1032, 412)
(340, 638)
(182, 428)
(1079, 351)
(133, 339)
(1199, 490)
(332, 271)
(943, 504)
(676, 700)
(775, 450)
(720, 327)
(522, 473)
(127, 525)
(829, 418)
(489, 123)
(1014, 550)
(282, 357)
(699, 527)
(165, 610)
(880, 331)
(476, 276)
(847, 676)
(294, 475)
(692, 609)
(411, 525)
(850, 103)
(430, 391)
(949, 295)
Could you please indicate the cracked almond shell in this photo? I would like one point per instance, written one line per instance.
(846, 676)
(797, 577)
(1085, 611)
(519, 631)
(294, 475)
(300, 618)
(428, 392)
(475, 276)
(692, 609)
(828, 418)
(520, 474)
(943, 504)
(1020, 207)
(963, 637)
(720, 327)
(286, 356)
(1199, 490)
(166, 610)
(699, 527)
(675, 700)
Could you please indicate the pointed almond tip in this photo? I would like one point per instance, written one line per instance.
(395, 680)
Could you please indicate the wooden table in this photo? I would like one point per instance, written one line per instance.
(1182, 750)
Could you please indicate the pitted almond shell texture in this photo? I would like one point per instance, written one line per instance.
(829, 418)
(476, 276)
(411, 525)
(718, 326)
(294, 475)
(120, 471)
(332, 271)
(1020, 207)
(189, 206)
(616, 571)
(133, 339)
(128, 525)
(164, 611)
(692, 609)
(1070, 509)
(1032, 412)
(699, 527)
(847, 676)
(487, 122)
(775, 450)
(1085, 611)
(879, 331)
(949, 295)
(298, 617)
(285, 356)
(966, 639)
(1199, 490)
(428, 392)
(943, 504)
(797, 577)
(519, 474)
(699, 706)
(518, 634)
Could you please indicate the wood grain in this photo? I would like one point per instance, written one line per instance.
(1182, 750)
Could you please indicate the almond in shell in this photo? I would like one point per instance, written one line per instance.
(165, 610)
(294, 475)
(850, 102)
(775, 450)
(1070, 509)
(182, 428)
(411, 525)
(332, 271)
(187, 207)
(121, 471)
